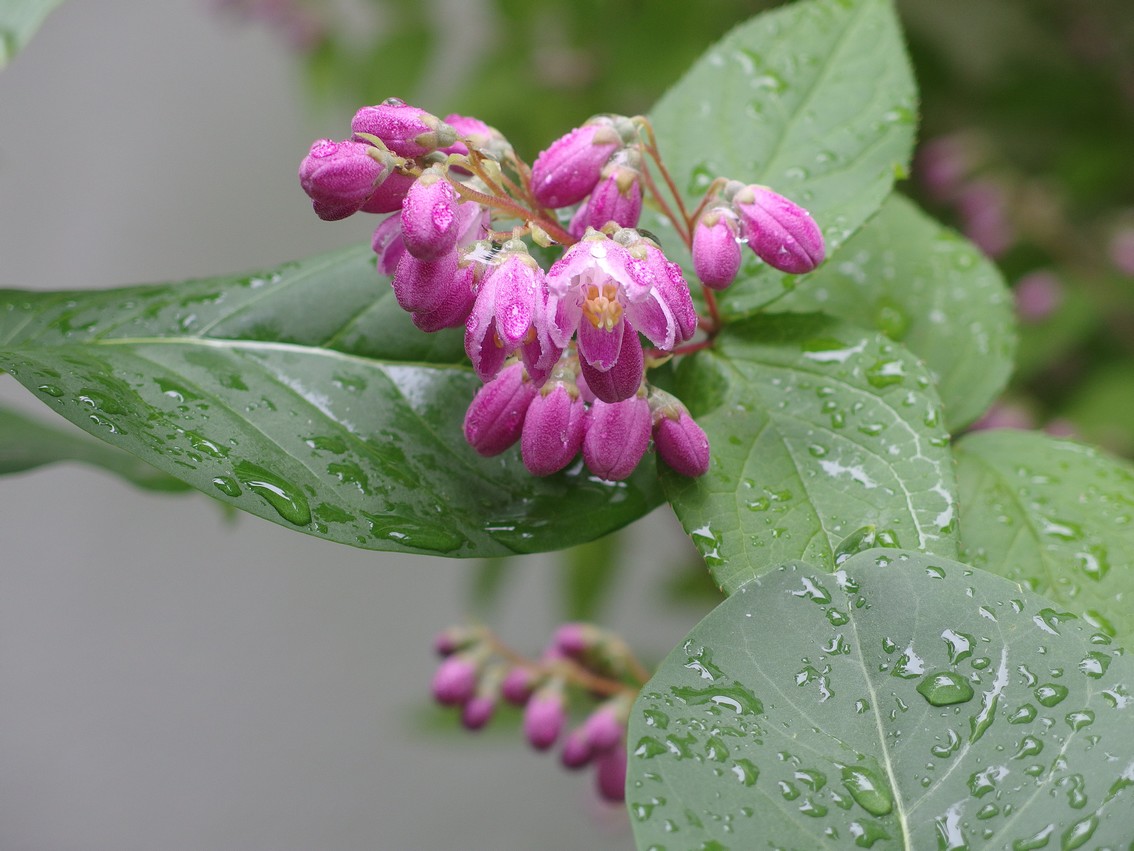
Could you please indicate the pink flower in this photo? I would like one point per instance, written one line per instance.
(678, 440)
(599, 283)
(510, 314)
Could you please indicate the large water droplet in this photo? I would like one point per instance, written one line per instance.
(1050, 694)
(1029, 746)
(1024, 715)
(960, 645)
(734, 697)
(227, 485)
(1079, 719)
(288, 501)
(1079, 834)
(868, 790)
(944, 688)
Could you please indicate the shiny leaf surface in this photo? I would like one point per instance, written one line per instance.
(1053, 515)
(815, 100)
(931, 290)
(307, 397)
(27, 443)
(905, 702)
(820, 431)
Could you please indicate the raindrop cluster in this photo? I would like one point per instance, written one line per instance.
(585, 671)
(565, 302)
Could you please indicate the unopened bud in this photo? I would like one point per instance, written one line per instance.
(455, 680)
(545, 715)
(406, 130)
(339, 177)
(568, 170)
(553, 429)
(430, 225)
(616, 198)
(496, 415)
(518, 685)
(781, 232)
(611, 775)
(577, 750)
(678, 440)
(716, 248)
(617, 437)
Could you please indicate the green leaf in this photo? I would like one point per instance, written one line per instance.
(816, 100)
(19, 19)
(930, 289)
(905, 702)
(307, 397)
(27, 443)
(1053, 515)
(818, 429)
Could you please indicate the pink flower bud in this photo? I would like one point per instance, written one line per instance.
(553, 429)
(612, 774)
(456, 638)
(455, 306)
(569, 169)
(478, 134)
(1005, 414)
(577, 750)
(617, 198)
(573, 639)
(624, 377)
(387, 244)
(477, 712)
(781, 232)
(545, 716)
(716, 248)
(388, 197)
(430, 225)
(1038, 295)
(339, 177)
(617, 437)
(406, 130)
(682, 444)
(455, 680)
(496, 415)
(424, 285)
(983, 208)
(605, 727)
(518, 686)
(1121, 250)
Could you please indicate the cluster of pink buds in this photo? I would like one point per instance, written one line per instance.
(564, 353)
(583, 664)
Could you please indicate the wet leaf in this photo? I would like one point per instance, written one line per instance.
(815, 100)
(27, 443)
(930, 289)
(307, 397)
(19, 20)
(818, 430)
(904, 702)
(1053, 515)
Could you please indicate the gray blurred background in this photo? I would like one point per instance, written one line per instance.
(171, 678)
